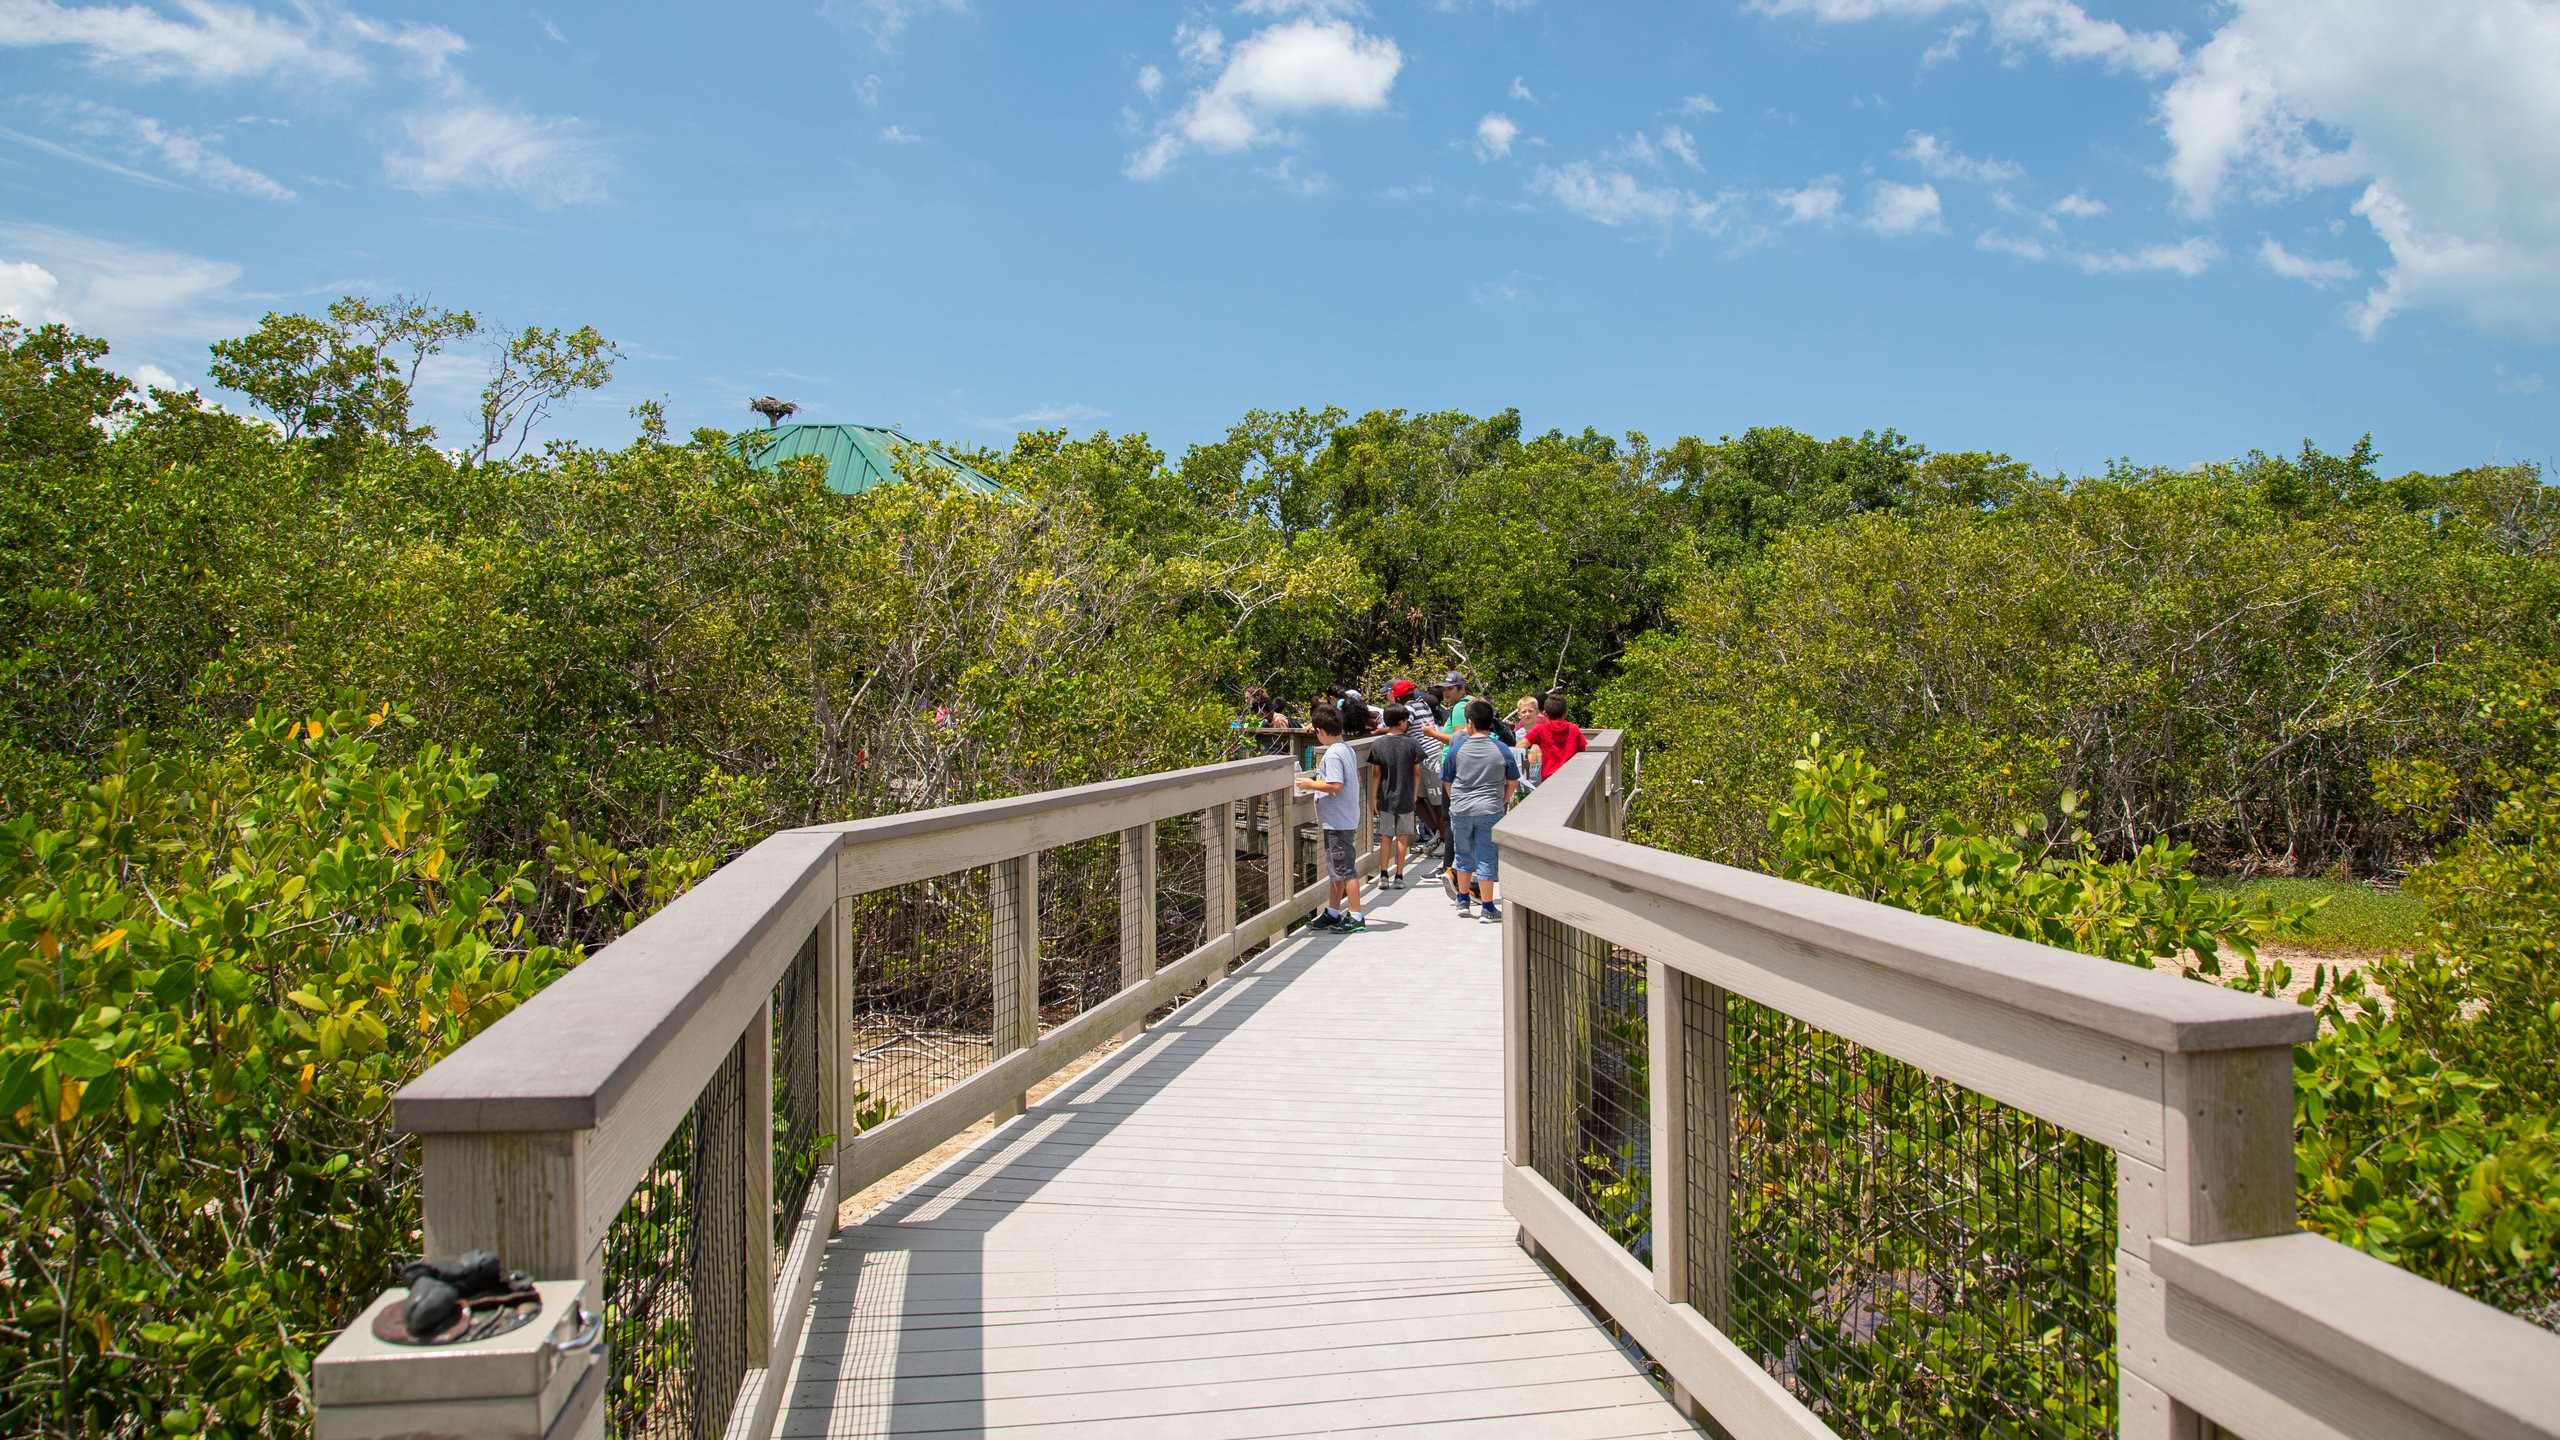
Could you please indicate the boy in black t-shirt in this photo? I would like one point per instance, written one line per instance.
(1399, 760)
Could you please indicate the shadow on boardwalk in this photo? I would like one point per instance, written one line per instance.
(1278, 1213)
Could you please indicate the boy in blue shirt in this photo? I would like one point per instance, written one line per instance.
(1336, 786)
(1482, 774)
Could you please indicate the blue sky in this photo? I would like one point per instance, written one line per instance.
(2068, 231)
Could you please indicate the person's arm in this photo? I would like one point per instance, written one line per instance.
(1510, 777)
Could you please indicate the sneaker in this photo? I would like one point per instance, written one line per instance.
(1352, 925)
(1492, 911)
(1326, 921)
(1466, 909)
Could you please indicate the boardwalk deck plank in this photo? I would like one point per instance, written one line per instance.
(1278, 1213)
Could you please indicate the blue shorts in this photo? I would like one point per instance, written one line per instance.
(1471, 846)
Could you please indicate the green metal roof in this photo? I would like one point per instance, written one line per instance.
(861, 456)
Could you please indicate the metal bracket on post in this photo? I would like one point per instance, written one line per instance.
(543, 1380)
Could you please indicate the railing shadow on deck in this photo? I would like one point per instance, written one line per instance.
(949, 1324)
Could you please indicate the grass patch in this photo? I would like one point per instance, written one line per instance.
(2357, 917)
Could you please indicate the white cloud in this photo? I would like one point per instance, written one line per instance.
(1201, 45)
(27, 291)
(1949, 46)
(1681, 143)
(2059, 28)
(2064, 31)
(2510, 383)
(150, 303)
(2078, 206)
(884, 20)
(2446, 114)
(1520, 90)
(2314, 272)
(1038, 417)
(193, 154)
(1699, 105)
(218, 42)
(2189, 257)
(1150, 80)
(152, 377)
(1494, 134)
(473, 146)
(1286, 176)
(901, 135)
(1897, 209)
(1296, 68)
(867, 90)
(2442, 119)
(1935, 159)
(1815, 204)
(1840, 10)
(1614, 197)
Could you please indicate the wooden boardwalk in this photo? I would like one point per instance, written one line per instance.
(1278, 1213)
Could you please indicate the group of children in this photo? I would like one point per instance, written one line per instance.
(1448, 768)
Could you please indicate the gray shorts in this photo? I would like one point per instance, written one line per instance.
(1341, 855)
(1392, 824)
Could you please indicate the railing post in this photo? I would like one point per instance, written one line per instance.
(1218, 871)
(1015, 955)
(1515, 1035)
(1137, 912)
(1692, 1120)
(2229, 1176)
(756, 1258)
(520, 1196)
(833, 1039)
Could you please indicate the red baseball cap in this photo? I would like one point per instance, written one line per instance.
(1401, 689)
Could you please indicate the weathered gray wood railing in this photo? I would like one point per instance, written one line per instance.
(537, 1133)
(2226, 1313)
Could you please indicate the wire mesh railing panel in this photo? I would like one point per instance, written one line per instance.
(677, 1265)
(1253, 858)
(1907, 1257)
(1079, 928)
(1589, 1087)
(921, 1016)
(797, 1078)
(1182, 901)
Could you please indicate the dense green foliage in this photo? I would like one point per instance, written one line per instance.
(230, 934)
(2219, 657)
(221, 966)
(588, 675)
(2429, 1123)
(2428, 1117)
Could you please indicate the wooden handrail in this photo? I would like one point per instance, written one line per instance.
(2225, 1310)
(537, 1131)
